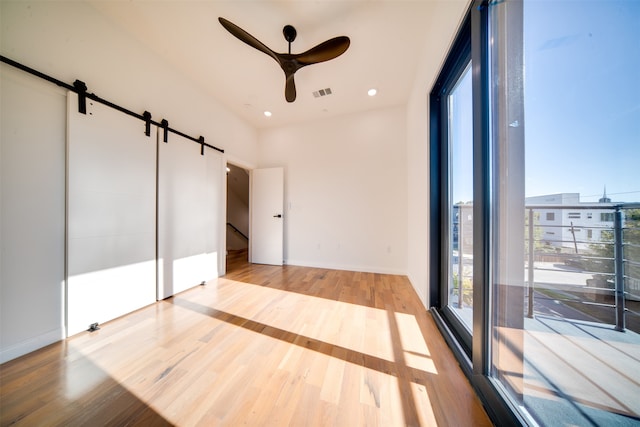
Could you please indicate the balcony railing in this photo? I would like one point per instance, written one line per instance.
(580, 266)
(585, 257)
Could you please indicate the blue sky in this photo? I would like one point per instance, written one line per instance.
(582, 102)
(582, 98)
(462, 137)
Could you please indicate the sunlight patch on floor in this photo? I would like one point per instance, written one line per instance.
(333, 355)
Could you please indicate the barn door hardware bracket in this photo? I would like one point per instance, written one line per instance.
(165, 130)
(81, 90)
(147, 123)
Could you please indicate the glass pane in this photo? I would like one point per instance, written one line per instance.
(566, 230)
(460, 294)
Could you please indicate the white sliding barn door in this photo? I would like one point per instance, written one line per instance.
(267, 203)
(190, 215)
(111, 215)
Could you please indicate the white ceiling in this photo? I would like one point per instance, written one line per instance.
(387, 41)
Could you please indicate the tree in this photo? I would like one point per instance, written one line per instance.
(605, 252)
(631, 238)
(538, 244)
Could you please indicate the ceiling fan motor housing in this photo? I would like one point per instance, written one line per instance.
(290, 33)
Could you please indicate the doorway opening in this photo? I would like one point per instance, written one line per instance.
(237, 216)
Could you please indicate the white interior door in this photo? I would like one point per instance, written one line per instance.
(267, 202)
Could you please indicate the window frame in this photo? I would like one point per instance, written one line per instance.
(453, 69)
(470, 43)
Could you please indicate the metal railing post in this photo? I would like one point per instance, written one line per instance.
(460, 260)
(619, 269)
(530, 267)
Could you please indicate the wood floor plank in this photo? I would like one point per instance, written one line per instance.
(262, 346)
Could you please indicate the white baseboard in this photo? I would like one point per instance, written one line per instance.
(347, 267)
(32, 344)
(422, 293)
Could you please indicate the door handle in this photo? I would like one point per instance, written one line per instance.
(277, 216)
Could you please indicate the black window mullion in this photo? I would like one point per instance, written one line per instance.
(482, 190)
(441, 210)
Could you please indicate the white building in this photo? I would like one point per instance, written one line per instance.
(570, 223)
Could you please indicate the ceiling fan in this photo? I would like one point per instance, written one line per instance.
(290, 63)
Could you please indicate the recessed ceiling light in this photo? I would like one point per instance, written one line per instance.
(372, 92)
(267, 113)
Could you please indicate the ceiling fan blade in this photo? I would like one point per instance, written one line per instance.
(324, 51)
(247, 38)
(290, 88)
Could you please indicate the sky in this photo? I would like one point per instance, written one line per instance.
(582, 98)
(582, 102)
(461, 124)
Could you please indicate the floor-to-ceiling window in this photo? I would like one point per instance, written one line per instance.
(555, 255)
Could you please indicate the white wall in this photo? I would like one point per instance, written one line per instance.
(32, 213)
(69, 41)
(345, 190)
(443, 24)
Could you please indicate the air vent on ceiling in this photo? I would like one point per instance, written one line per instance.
(322, 92)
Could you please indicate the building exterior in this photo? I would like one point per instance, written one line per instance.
(569, 223)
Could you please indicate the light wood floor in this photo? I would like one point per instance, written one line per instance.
(261, 346)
